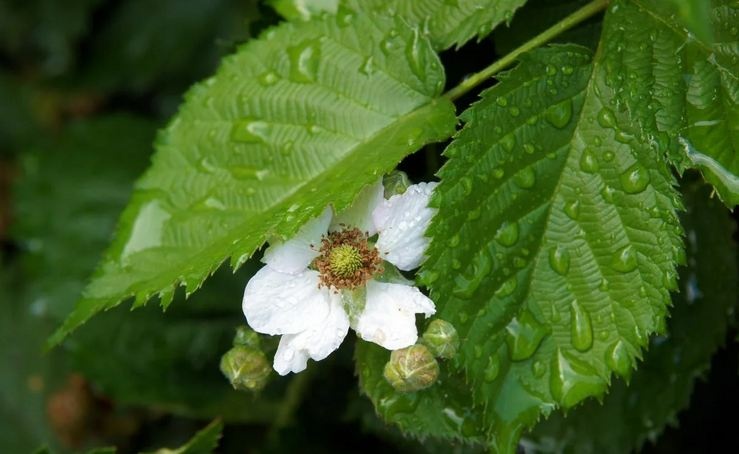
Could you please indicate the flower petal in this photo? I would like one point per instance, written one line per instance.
(359, 214)
(389, 317)
(281, 303)
(402, 221)
(316, 342)
(295, 254)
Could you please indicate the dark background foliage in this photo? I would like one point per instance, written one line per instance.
(84, 85)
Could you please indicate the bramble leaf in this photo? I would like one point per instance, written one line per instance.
(662, 386)
(683, 92)
(204, 442)
(447, 23)
(301, 118)
(556, 241)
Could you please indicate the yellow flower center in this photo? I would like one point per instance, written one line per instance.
(344, 260)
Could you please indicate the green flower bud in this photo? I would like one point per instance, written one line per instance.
(396, 182)
(247, 337)
(246, 368)
(411, 369)
(441, 338)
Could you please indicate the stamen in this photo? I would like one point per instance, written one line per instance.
(346, 260)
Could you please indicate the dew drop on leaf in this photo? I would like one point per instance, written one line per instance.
(559, 260)
(526, 178)
(523, 336)
(582, 329)
(624, 260)
(572, 380)
(617, 358)
(588, 161)
(268, 79)
(606, 118)
(572, 209)
(508, 141)
(560, 114)
(492, 369)
(248, 130)
(507, 234)
(304, 61)
(635, 179)
(508, 287)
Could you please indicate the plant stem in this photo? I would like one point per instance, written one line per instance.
(568, 22)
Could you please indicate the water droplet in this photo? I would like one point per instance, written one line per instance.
(493, 369)
(560, 114)
(305, 59)
(474, 214)
(559, 260)
(267, 79)
(572, 209)
(466, 185)
(568, 69)
(588, 162)
(529, 148)
(635, 179)
(454, 241)
(508, 141)
(606, 118)
(507, 234)
(249, 130)
(608, 156)
(416, 55)
(538, 368)
(617, 358)
(508, 287)
(550, 70)
(603, 285)
(482, 265)
(526, 178)
(572, 380)
(456, 264)
(368, 66)
(501, 101)
(498, 173)
(582, 329)
(514, 111)
(624, 260)
(607, 193)
(248, 173)
(524, 335)
(398, 404)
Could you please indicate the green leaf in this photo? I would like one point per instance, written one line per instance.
(204, 442)
(303, 117)
(447, 23)
(451, 22)
(555, 241)
(638, 411)
(441, 411)
(681, 91)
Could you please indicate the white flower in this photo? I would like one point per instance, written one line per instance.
(324, 280)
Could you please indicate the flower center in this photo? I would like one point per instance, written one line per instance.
(346, 260)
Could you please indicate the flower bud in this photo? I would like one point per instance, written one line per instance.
(411, 369)
(441, 338)
(247, 337)
(396, 182)
(246, 368)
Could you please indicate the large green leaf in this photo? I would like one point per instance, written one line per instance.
(556, 240)
(680, 90)
(635, 412)
(447, 23)
(304, 116)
